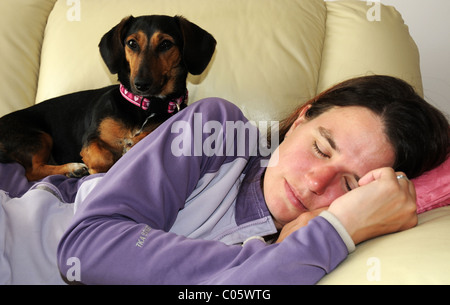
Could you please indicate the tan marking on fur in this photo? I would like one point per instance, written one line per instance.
(40, 169)
(114, 140)
(97, 157)
(113, 133)
(168, 62)
(133, 57)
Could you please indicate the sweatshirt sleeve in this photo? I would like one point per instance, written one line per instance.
(120, 235)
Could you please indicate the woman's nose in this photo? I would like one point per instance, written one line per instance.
(319, 179)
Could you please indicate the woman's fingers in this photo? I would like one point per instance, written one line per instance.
(384, 203)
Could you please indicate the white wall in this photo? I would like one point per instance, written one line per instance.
(429, 25)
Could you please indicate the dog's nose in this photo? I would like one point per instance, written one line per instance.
(142, 85)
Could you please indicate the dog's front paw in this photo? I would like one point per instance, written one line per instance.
(78, 170)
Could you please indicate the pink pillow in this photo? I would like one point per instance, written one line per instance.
(433, 188)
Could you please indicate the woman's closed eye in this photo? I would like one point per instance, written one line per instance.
(351, 182)
(319, 152)
(347, 185)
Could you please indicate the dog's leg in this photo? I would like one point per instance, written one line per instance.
(109, 142)
(40, 168)
(98, 156)
(32, 150)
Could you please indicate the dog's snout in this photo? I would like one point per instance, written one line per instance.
(142, 85)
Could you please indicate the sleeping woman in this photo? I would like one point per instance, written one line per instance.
(184, 207)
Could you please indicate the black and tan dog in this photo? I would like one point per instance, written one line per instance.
(87, 132)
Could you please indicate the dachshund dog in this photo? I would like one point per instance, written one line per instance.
(87, 132)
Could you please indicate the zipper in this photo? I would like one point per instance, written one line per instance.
(245, 226)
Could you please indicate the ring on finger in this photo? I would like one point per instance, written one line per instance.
(400, 176)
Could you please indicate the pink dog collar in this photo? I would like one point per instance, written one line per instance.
(144, 103)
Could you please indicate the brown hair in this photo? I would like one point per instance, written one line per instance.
(419, 132)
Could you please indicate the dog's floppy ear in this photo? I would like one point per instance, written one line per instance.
(198, 46)
(111, 45)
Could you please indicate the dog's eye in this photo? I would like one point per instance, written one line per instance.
(165, 45)
(132, 44)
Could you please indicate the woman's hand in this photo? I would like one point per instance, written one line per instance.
(382, 204)
(297, 223)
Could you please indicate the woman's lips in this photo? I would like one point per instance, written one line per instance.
(296, 202)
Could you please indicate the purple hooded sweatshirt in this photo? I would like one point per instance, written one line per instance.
(182, 206)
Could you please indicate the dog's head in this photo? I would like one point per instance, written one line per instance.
(153, 54)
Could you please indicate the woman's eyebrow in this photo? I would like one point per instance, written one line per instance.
(328, 135)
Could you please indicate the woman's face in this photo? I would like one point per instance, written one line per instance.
(323, 158)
